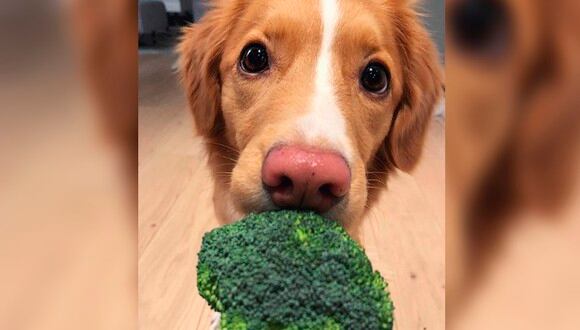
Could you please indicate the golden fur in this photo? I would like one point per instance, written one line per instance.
(241, 118)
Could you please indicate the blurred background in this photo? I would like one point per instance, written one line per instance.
(513, 132)
(68, 124)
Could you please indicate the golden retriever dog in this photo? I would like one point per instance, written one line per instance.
(306, 104)
(512, 124)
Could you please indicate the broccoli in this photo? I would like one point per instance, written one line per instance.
(290, 270)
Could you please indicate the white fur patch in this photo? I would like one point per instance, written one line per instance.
(215, 321)
(324, 119)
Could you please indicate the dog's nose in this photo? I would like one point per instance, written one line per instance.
(305, 178)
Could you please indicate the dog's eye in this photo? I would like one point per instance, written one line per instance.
(481, 26)
(254, 58)
(375, 78)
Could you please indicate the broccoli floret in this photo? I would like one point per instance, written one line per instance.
(290, 270)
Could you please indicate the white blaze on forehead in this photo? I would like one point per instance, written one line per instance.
(324, 119)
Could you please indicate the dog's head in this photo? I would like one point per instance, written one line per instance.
(313, 102)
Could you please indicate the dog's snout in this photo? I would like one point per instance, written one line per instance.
(305, 178)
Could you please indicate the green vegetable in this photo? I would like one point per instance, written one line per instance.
(290, 270)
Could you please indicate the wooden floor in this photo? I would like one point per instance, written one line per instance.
(403, 235)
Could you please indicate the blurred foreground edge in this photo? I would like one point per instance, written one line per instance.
(68, 142)
(512, 147)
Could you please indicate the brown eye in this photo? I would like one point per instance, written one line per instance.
(375, 78)
(254, 59)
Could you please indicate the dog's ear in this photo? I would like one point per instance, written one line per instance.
(200, 52)
(422, 87)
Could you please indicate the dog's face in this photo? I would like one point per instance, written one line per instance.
(313, 99)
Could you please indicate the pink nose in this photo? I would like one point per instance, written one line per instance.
(302, 178)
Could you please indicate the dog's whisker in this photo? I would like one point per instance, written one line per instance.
(230, 148)
(223, 173)
(377, 181)
(381, 162)
(224, 180)
(225, 164)
(228, 158)
(376, 172)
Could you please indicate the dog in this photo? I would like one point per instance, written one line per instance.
(309, 104)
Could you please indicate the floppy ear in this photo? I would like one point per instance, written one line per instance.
(200, 52)
(422, 88)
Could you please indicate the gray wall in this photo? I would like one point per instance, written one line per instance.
(199, 8)
(186, 6)
(435, 22)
